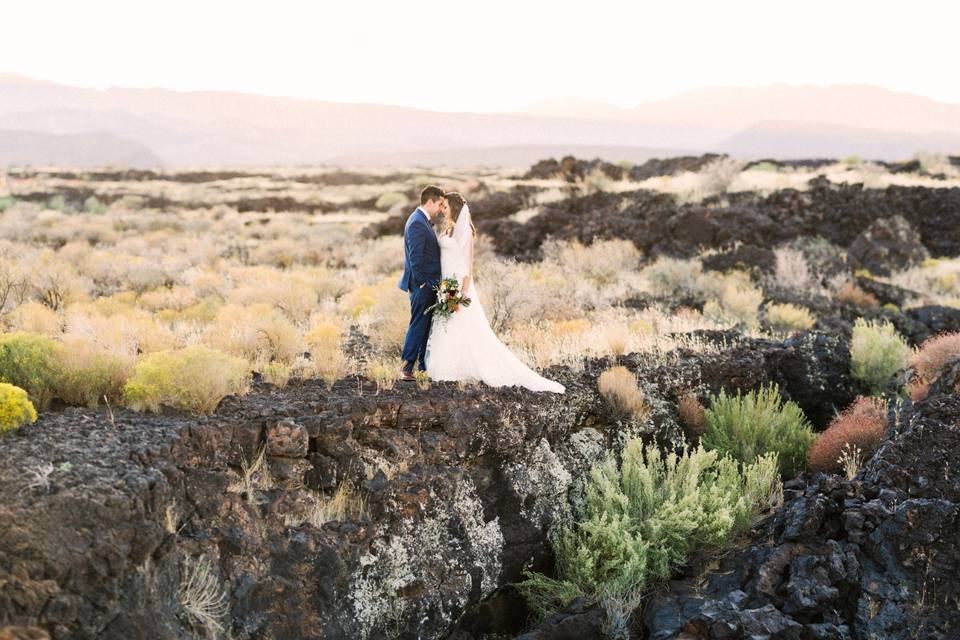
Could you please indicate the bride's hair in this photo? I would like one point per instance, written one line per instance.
(455, 202)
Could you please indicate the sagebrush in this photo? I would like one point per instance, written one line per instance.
(641, 519)
(877, 352)
(748, 426)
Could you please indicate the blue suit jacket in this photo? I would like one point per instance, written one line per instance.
(421, 253)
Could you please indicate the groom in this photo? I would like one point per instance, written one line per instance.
(421, 273)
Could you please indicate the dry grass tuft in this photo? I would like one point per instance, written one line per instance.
(345, 503)
(254, 477)
(34, 317)
(202, 596)
(692, 416)
(620, 388)
(384, 372)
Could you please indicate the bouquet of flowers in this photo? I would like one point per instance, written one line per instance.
(449, 299)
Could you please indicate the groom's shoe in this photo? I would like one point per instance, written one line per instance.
(407, 376)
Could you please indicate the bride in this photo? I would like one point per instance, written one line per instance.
(464, 346)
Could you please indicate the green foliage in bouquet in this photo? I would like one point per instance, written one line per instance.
(641, 520)
(449, 299)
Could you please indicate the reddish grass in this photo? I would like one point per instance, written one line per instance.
(856, 296)
(860, 425)
(935, 354)
(919, 390)
(692, 416)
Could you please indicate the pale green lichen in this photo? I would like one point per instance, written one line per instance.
(541, 483)
(441, 551)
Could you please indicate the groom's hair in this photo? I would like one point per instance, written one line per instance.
(430, 193)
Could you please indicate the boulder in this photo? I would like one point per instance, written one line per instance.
(888, 244)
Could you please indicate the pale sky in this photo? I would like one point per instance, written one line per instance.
(485, 55)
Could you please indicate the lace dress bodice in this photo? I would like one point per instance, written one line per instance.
(453, 261)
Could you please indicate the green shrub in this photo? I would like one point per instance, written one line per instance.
(390, 199)
(641, 520)
(94, 206)
(195, 378)
(749, 426)
(15, 408)
(674, 278)
(877, 352)
(27, 360)
(6, 202)
(57, 202)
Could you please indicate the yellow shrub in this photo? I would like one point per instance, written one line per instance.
(167, 298)
(259, 333)
(535, 345)
(788, 317)
(276, 373)
(28, 360)
(34, 317)
(293, 292)
(641, 326)
(619, 386)
(390, 317)
(127, 330)
(195, 378)
(738, 303)
(323, 340)
(614, 339)
(359, 301)
(15, 408)
(86, 372)
(384, 372)
(202, 312)
(116, 303)
(947, 282)
(567, 327)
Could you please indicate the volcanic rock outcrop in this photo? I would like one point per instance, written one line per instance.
(872, 557)
(105, 514)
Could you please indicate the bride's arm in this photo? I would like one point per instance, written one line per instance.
(469, 277)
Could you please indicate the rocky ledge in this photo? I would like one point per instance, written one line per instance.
(107, 515)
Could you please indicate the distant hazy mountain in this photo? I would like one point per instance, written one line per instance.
(510, 156)
(733, 108)
(796, 140)
(203, 128)
(93, 149)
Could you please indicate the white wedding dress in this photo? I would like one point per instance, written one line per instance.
(463, 346)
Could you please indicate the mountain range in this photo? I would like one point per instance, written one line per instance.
(47, 123)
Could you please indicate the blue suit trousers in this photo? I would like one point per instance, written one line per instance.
(415, 344)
